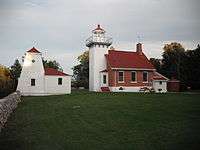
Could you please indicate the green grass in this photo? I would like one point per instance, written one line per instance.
(96, 121)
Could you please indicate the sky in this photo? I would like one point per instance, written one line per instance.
(59, 28)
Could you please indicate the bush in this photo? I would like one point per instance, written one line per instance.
(6, 87)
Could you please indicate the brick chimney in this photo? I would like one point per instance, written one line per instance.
(139, 48)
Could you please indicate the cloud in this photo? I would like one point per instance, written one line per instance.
(63, 26)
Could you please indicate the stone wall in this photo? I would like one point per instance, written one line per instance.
(7, 105)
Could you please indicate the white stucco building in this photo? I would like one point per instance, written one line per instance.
(35, 80)
(118, 70)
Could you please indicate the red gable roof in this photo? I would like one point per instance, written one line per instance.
(104, 70)
(158, 76)
(33, 50)
(98, 28)
(125, 59)
(54, 72)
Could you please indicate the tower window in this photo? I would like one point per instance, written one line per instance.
(32, 82)
(145, 76)
(59, 81)
(121, 76)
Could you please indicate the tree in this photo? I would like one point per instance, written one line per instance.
(52, 64)
(156, 63)
(7, 85)
(81, 71)
(173, 61)
(192, 68)
(16, 69)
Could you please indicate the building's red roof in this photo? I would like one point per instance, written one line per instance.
(158, 76)
(33, 50)
(126, 59)
(54, 72)
(104, 70)
(99, 28)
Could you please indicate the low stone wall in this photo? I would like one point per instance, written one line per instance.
(7, 105)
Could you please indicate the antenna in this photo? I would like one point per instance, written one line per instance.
(139, 38)
(34, 43)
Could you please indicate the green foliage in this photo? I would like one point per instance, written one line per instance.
(16, 69)
(105, 121)
(180, 64)
(52, 64)
(173, 60)
(7, 84)
(156, 63)
(81, 71)
(192, 68)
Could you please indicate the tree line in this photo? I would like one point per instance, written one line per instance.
(178, 63)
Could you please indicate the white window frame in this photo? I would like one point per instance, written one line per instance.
(143, 76)
(118, 77)
(135, 77)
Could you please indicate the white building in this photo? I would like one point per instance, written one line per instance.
(35, 80)
(118, 70)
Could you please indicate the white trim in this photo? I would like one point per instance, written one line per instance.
(118, 77)
(133, 69)
(135, 77)
(162, 76)
(160, 80)
(127, 88)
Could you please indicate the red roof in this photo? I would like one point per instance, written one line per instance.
(33, 50)
(104, 70)
(54, 72)
(158, 76)
(99, 28)
(125, 59)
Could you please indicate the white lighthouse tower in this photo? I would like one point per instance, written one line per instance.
(98, 45)
(31, 80)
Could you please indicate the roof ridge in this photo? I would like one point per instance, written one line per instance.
(126, 51)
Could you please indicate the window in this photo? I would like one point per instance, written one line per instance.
(133, 76)
(145, 76)
(59, 81)
(121, 76)
(32, 82)
(160, 82)
(104, 79)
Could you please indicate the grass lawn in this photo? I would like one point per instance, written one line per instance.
(111, 121)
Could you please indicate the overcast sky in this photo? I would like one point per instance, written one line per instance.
(59, 28)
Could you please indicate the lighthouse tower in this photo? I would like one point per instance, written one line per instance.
(98, 45)
(32, 80)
